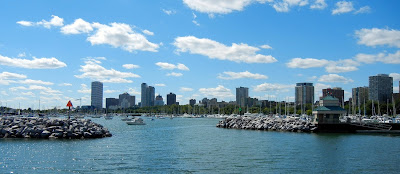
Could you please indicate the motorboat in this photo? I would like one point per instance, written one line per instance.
(136, 121)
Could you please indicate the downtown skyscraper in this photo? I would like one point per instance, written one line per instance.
(242, 93)
(97, 95)
(380, 87)
(147, 95)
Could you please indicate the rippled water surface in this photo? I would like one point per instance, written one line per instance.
(196, 146)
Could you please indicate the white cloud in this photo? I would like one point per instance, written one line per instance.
(169, 12)
(55, 21)
(93, 70)
(395, 89)
(43, 90)
(195, 22)
(130, 66)
(147, 32)
(218, 92)
(365, 9)
(30, 81)
(65, 84)
(28, 93)
(239, 75)
(8, 75)
(285, 5)
(175, 74)
(217, 6)
(79, 26)
(160, 84)
(169, 66)
(319, 4)
(341, 66)
(265, 46)
(121, 35)
(272, 87)
(84, 89)
(36, 63)
(332, 78)
(215, 50)
(185, 89)
(375, 36)
(396, 76)
(343, 7)
(133, 92)
(22, 54)
(108, 91)
(318, 89)
(380, 57)
(307, 63)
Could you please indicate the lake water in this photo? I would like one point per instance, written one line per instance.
(183, 145)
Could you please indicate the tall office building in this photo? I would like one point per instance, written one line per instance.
(147, 96)
(192, 102)
(97, 95)
(304, 93)
(380, 88)
(336, 92)
(242, 93)
(112, 103)
(126, 100)
(359, 95)
(159, 101)
(171, 98)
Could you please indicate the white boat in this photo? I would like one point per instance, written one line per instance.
(136, 121)
(126, 119)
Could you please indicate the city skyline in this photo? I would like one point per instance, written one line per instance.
(52, 51)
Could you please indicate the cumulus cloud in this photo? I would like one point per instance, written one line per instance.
(120, 35)
(54, 21)
(380, 57)
(43, 90)
(285, 5)
(185, 89)
(160, 84)
(342, 66)
(65, 84)
(130, 66)
(319, 4)
(169, 12)
(215, 50)
(217, 6)
(6, 77)
(133, 92)
(365, 9)
(169, 66)
(218, 92)
(36, 63)
(334, 78)
(265, 47)
(109, 91)
(239, 75)
(30, 81)
(84, 89)
(79, 26)
(375, 37)
(306, 63)
(342, 7)
(93, 70)
(147, 32)
(265, 87)
(175, 74)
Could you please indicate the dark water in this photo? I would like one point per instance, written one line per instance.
(197, 146)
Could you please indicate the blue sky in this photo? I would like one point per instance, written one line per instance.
(52, 50)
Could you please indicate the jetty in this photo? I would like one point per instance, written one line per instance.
(45, 128)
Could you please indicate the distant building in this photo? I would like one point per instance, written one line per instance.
(242, 93)
(147, 95)
(159, 101)
(304, 93)
(97, 95)
(359, 95)
(171, 98)
(250, 102)
(112, 103)
(336, 92)
(192, 102)
(126, 101)
(380, 87)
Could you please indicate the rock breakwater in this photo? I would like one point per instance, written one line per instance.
(292, 124)
(32, 127)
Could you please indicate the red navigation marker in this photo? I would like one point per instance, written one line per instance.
(69, 104)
